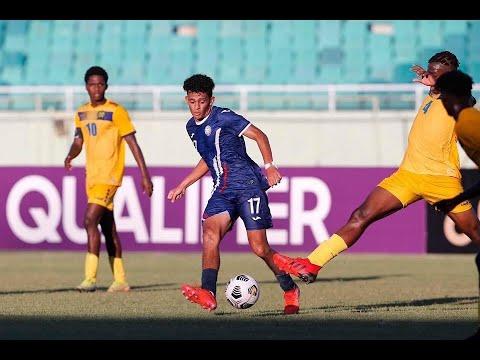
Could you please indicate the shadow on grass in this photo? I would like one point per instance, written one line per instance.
(172, 286)
(392, 306)
(334, 279)
(209, 327)
(148, 287)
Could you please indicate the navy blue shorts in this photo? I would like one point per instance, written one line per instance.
(251, 206)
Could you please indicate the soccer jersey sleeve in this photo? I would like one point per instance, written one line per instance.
(237, 123)
(77, 120)
(122, 121)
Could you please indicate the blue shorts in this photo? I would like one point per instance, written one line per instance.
(251, 206)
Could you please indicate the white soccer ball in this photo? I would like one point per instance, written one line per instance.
(242, 291)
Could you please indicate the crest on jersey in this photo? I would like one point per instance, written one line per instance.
(208, 130)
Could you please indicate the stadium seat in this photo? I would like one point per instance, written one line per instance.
(328, 33)
(161, 28)
(330, 73)
(333, 55)
(430, 33)
(255, 29)
(42, 52)
(303, 35)
(254, 74)
(229, 28)
(13, 74)
(402, 73)
(457, 44)
(455, 27)
(17, 27)
(405, 30)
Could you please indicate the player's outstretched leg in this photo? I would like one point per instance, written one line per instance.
(379, 203)
(300, 267)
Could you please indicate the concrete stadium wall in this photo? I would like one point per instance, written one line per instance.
(297, 138)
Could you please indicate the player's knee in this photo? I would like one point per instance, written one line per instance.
(210, 238)
(89, 221)
(360, 217)
(261, 250)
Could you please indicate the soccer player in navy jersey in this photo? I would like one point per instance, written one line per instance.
(239, 188)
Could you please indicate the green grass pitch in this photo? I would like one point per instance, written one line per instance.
(355, 297)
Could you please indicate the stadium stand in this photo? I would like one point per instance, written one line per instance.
(165, 52)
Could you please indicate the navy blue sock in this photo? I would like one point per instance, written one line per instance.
(209, 280)
(286, 282)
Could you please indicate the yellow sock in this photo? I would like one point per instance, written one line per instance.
(327, 250)
(116, 265)
(91, 267)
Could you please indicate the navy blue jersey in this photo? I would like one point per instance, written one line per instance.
(219, 141)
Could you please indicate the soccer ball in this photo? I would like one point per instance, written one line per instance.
(242, 291)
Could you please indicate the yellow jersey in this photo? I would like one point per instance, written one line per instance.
(467, 129)
(432, 142)
(103, 128)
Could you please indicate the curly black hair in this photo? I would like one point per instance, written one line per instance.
(445, 58)
(199, 83)
(456, 83)
(96, 70)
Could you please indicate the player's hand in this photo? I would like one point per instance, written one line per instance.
(423, 76)
(147, 186)
(68, 163)
(273, 176)
(176, 194)
(446, 205)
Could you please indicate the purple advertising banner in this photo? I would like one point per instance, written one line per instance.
(43, 207)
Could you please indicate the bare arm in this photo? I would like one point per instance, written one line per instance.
(75, 149)
(147, 185)
(197, 173)
(254, 133)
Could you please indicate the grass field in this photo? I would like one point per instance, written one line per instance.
(356, 297)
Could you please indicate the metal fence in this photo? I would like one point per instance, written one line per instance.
(331, 98)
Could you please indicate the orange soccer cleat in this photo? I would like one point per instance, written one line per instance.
(200, 296)
(300, 267)
(292, 301)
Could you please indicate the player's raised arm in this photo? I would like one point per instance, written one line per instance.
(423, 76)
(272, 173)
(197, 173)
(75, 149)
(147, 184)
